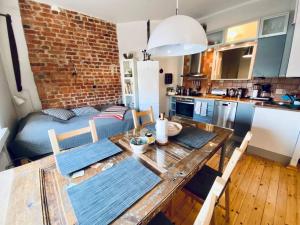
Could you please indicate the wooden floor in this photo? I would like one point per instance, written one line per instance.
(261, 192)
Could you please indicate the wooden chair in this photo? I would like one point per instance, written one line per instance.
(199, 186)
(138, 115)
(206, 215)
(55, 138)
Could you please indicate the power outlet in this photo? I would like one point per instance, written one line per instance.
(280, 91)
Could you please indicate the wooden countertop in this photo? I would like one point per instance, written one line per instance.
(219, 98)
(256, 103)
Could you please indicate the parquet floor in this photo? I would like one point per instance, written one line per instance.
(261, 192)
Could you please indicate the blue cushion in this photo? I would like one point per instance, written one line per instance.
(160, 219)
(62, 114)
(85, 111)
(202, 182)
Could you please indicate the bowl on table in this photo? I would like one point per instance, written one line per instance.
(139, 144)
(174, 128)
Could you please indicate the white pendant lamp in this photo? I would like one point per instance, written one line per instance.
(176, 36)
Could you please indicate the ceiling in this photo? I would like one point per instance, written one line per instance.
(133, 10)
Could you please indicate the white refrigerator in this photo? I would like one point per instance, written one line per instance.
(152, 91)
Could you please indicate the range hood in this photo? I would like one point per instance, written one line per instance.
(195, 67)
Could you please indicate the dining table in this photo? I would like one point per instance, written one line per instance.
(35, 193)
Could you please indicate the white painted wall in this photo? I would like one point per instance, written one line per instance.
(293, 66)
(132, 37)
(8, 116)
(29, 92)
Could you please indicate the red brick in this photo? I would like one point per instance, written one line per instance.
(57, 40)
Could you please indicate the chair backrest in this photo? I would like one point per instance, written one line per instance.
(245, 142)
(205, 215)
(55, 138)
(137, 115)
(232, 163)
(238, 152)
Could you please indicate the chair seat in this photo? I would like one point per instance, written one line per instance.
(202, 182)
(160, 219)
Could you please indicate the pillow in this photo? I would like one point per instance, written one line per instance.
(62, 114)
(85, 111)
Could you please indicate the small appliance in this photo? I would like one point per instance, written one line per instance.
(217, 91)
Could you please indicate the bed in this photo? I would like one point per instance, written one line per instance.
(32, 139)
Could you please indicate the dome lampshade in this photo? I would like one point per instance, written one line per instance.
(176, 36)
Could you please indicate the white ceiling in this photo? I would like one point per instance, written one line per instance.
(133, 10)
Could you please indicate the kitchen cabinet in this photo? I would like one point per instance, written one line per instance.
(209, 112)
(215, 38)
(269, 56)
(243, 119)
(296, 154)
(172, 107)
(274, 25)
(275, 130)
(293, 64)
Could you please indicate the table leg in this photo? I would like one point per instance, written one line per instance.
(222, 159)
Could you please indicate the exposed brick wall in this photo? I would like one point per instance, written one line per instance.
(58, 40)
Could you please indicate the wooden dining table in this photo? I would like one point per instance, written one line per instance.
(35, 193)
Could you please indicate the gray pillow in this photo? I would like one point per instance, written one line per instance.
(85, 111)
(62, 114)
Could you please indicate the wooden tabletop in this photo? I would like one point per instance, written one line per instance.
(35, 193)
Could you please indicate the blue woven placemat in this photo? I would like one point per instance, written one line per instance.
(83, 156)
(102, 198)
(193, 137)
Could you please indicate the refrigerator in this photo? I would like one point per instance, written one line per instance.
(151, 87)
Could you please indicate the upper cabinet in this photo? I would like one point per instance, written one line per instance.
(215, 38)
(293, 64)
(269, 56)
(273, 46)
(241, 33)
(273, 25)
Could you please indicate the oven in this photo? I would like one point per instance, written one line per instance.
(185, 107)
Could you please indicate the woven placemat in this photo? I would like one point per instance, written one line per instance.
(78, 158)
(102, 198)
(193, 137)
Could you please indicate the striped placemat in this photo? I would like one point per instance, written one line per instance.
(102, 198)
(193, 137)
(78, 158)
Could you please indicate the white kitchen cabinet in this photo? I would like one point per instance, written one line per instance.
(275, 130)
(294, 66)
(296, 154)
(150, 87)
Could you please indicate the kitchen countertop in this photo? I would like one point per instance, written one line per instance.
(256, 103)
(216, 97)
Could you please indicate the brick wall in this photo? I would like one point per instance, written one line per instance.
(58, 40)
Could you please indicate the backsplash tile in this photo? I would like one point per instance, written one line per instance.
(290, 85)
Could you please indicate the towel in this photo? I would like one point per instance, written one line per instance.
(116, 112)
(203, 109)
(198, 107)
